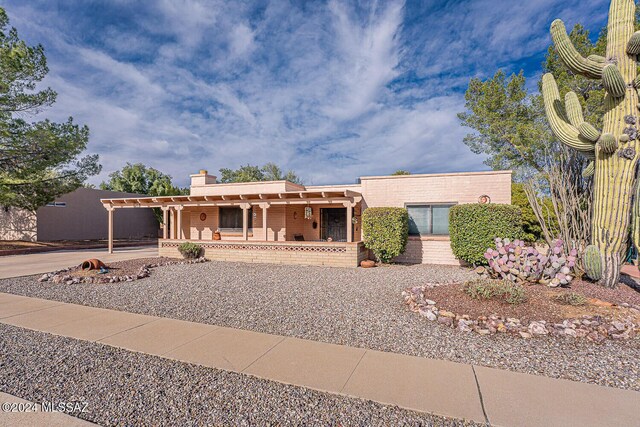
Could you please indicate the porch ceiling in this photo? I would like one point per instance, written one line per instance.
(286, 198)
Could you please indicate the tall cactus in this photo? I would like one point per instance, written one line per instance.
(615, 149)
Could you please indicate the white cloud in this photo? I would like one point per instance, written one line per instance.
(333, 91)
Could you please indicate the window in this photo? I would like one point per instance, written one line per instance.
(428, 220)
(58, 204)
(231, 219)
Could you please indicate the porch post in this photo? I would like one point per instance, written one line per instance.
(179, 234)
(245, 220)
(165, 219)
(349, 206)
(264, 207)
(110, 210)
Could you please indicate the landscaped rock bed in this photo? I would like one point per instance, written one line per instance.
(546, 311)
(349, 306)
(118, 271)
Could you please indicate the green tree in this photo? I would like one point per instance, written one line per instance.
(137, 178)
(401, 172)
(40, 160)
(509, 123)
(530, 224)
(250, 173)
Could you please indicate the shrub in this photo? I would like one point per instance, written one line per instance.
(571, 298)
(385, 231)
(517, 262)
(502, 290)
(190, 250)
(473, 228)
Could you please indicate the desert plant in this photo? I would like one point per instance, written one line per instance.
(615, 149)
(570, 298)
(592, 263)
(503, 290)
(515, 261)
(385, 231)
(473, 228)
(190, 250)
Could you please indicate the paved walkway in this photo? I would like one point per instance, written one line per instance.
(25, 265)
(445, 388)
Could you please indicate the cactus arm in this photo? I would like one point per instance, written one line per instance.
(608, 143)
(597, 58)
(633, 47)
(574, 113)
(612, 81)
(570, 56)
(589, 170)
(574, 109)
(635, 218)
(562, 129)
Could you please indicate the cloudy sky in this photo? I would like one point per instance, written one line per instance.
(333, 90)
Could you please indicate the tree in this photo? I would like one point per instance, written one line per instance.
(39, 160)
(401, 172)
(137, 178)
(249, 173)
(530, 223)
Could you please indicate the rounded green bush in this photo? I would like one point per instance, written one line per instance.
(190, 250)
(385, 231)
(473, 228)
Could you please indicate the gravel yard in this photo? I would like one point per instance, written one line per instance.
(128, 388)
(356, 307)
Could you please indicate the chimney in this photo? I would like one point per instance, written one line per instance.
(202, 178)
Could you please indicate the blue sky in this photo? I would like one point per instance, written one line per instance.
(333, 90)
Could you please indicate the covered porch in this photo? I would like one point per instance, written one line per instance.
(290, 227)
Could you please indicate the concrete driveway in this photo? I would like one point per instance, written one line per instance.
(25, 265)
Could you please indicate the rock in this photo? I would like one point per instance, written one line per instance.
(431, 315)
(429, 302)
(483, 331)
(598, 302)
(570, 332)
(618, 325)
(525, 334)
(464, 325)
(56, 279)
(445, 320)
(43, 278)
(445, 313)
(501, 327)
(537, 328)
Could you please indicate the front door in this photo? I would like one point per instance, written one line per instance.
(334, 224)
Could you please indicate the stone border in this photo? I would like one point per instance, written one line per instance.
(61, 276)
(594, 328)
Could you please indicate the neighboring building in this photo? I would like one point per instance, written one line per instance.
(78, 215)
(287, 223)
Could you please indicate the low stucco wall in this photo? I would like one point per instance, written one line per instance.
(334, 254)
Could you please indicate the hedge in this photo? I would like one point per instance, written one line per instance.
(473, 228)
(385, 231)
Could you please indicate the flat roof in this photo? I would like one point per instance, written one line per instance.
(288, 197)
(425, 175)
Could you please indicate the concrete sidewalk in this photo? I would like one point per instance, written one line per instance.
(444, 388)
(25, 265)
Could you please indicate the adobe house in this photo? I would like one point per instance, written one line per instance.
(286, 223)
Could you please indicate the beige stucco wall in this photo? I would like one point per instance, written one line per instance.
(455, 188)
(85, 218)
(340, 254)
(18, 224)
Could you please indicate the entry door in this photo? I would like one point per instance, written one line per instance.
(334, 224)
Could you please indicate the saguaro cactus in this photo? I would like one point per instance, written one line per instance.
(614, 150)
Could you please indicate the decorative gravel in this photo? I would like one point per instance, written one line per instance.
(350, 306)
(127, 388)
